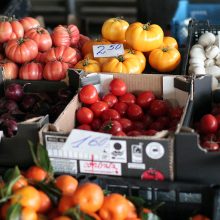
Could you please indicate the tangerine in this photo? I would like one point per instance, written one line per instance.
(67, 184)
(65, 203)
(115, 207)
(62, 218)
(89, 197)
(28, 214)
(28, 197)
(22, 181)
(36, 173)
(45, 204)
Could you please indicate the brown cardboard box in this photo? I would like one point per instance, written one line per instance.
(132, 156)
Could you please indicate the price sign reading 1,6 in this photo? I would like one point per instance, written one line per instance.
(108, 50)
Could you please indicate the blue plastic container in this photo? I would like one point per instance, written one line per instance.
(186, 11)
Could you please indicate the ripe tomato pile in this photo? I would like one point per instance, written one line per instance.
(122, 113)
(30, 52)
(143, 43)
(209, 129)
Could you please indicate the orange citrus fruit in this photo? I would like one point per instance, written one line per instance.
(67, 184)
(28, 197)
(89, 197)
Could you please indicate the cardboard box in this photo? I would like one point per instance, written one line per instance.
(122, 156)
(15, 150)
(192, 162)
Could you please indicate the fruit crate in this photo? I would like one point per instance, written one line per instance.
(180, 200)
(192, 162)
(196, 29)
(15, 150)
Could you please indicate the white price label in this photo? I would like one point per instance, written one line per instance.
(87, 144)
(108, 50)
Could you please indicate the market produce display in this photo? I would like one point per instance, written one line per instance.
(140, 42)
(30, 52)
(122, 113)
(36, 193)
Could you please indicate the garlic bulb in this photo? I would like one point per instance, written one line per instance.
(209, 62)
(198, 53)
(207, 39)
(196, 60)
(213, 70)
(211, 51)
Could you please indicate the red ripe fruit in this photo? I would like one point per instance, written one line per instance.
(208, 124)
(134, 112)
(121, 108)
(117, 87)
(84, 115)
(128, 98)
(145, 98)
(110, 99)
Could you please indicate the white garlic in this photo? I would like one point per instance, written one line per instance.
(199, 70)
(213, 70)
(198, 53)
(209, 62)
(207, 39)
(211, 51)
(196, 60)
(197, 46)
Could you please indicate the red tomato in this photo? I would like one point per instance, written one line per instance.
(55, 70)
(31, 71)
(156, 125)
(98, 108)
(134, 111)
(88, 94)
(10, 69)
(164, 121)
(21, 50)
(211, 146)
(158, 108)
(145, 98)
(85, 127)
(121, 108)
(208, 124)
(111, 126)
(209, 137)
(134, 133)
(82, 40)
(41, 57)
(126, 124)
(65, 35)
(120, 133)
(62, 54)
(147, 120)
(149, 132)
(138, 125)
(84, 115)
(10, 29)
(96, 124)
(110, 114)
(127, 98)
(29, 23)
(41, 36)
(175, 112)
(110, 99)
(117, 87)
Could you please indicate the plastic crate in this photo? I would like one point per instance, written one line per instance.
(181, 200)
(196, 29)
(198, 10)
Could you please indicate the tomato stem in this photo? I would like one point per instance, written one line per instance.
(120, 58)
(165, 49)
(85, 62)
(146, 26)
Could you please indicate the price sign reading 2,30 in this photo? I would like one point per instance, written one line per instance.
(108, 50)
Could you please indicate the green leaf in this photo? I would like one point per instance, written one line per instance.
(106, 192)
(33, 153)
(149, 216)
(11, 174)
(41, 158)
(51, 190)
(11, 177)
(76, 214)
(14, 212)
(137, 201)
(44, 159)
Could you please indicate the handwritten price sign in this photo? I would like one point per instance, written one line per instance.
(108, 50)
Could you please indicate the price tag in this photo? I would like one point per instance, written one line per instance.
(84, 144)
(108, 50)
